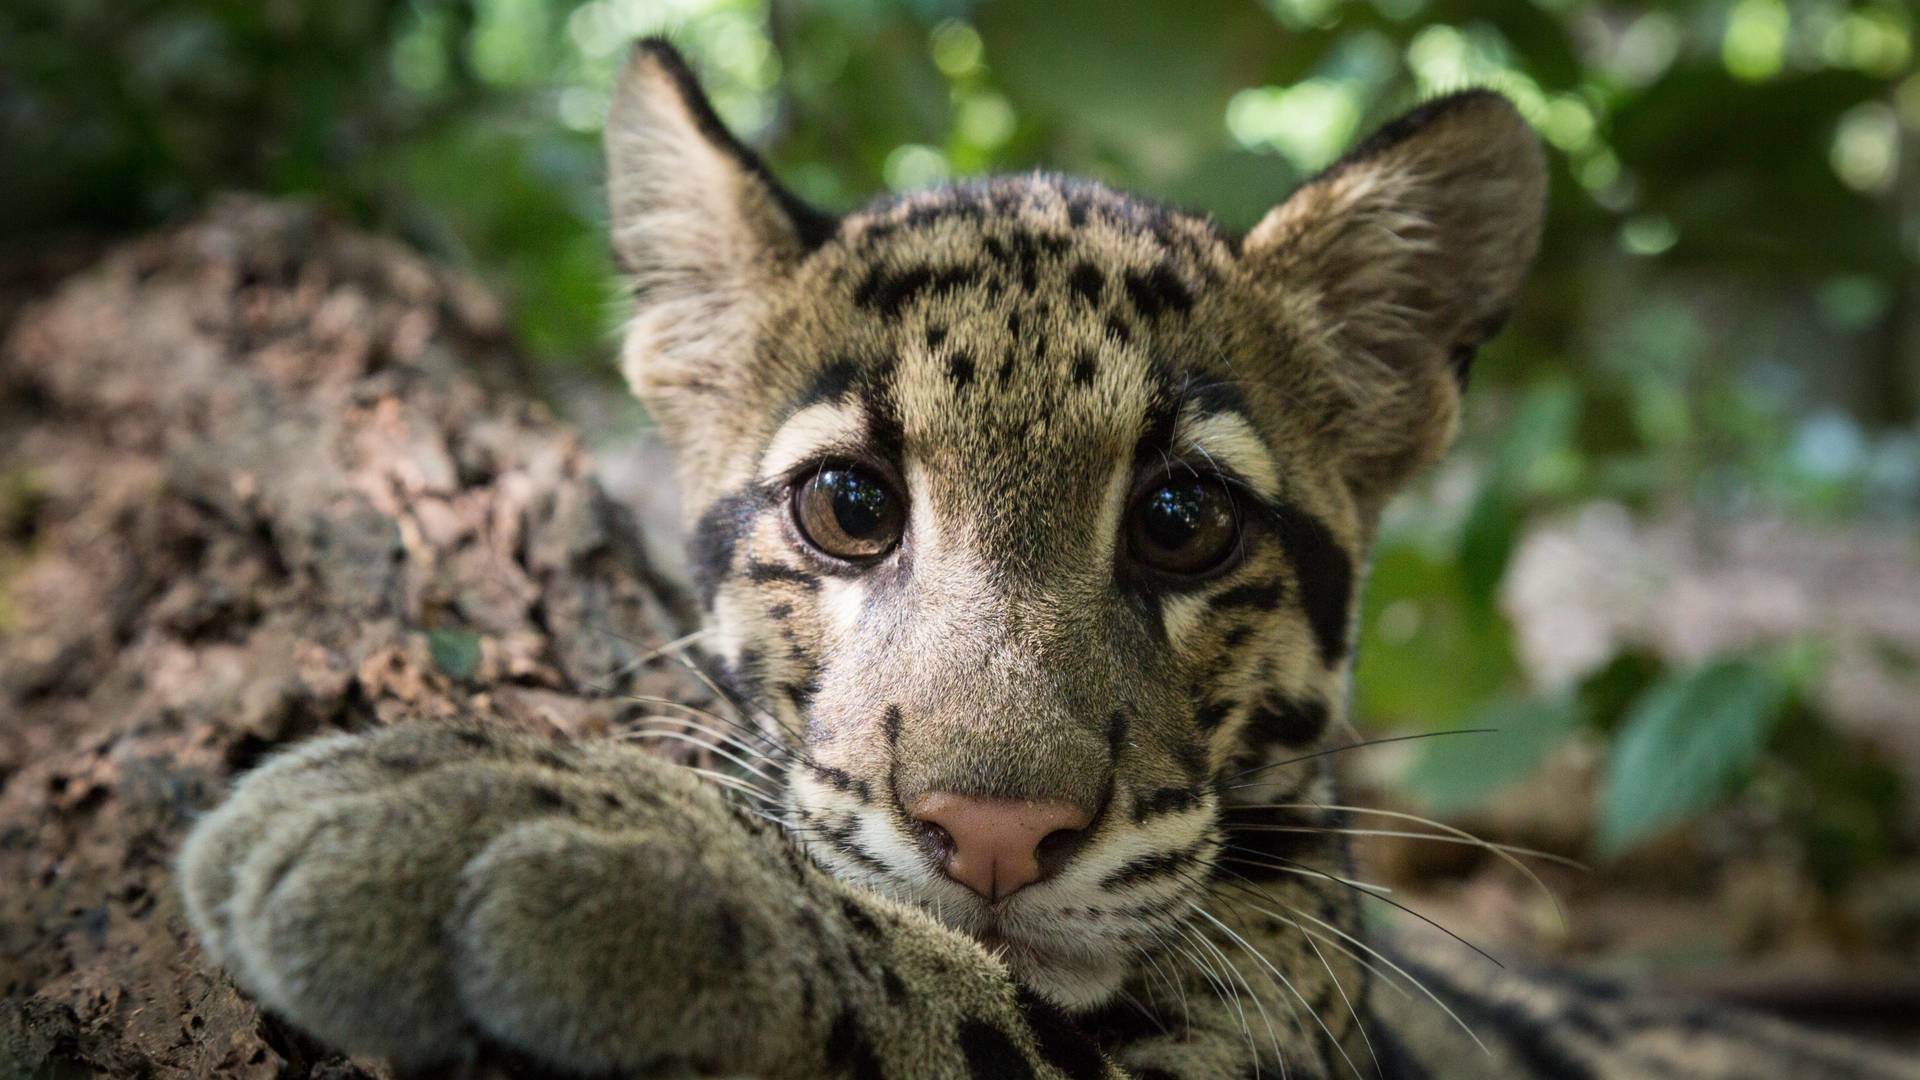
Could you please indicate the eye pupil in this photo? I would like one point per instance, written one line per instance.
(1185, 526)
(1173, 516)
(859, 506)
(848, 512)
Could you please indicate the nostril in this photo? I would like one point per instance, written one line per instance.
(1056, 848)
(934, 839)
(1058, 839)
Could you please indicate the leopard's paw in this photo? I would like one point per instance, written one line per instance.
(627, 950)
(323, 883)
(402, 893)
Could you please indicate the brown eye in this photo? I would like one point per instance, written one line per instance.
(1184, 525)
(848, 513)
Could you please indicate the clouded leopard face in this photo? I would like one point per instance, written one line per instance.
(1029, 516)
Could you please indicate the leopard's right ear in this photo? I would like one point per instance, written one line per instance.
(1413, 248)
(701, 227)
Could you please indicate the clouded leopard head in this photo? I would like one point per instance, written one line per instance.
(1030, 515)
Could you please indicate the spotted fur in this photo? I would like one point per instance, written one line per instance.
(1018, 354)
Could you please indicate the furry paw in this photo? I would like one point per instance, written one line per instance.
(397, 893)
(684, 954)
(323, 883)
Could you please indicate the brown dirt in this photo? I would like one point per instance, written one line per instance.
(262, 477)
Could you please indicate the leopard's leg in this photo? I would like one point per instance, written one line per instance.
(1533, 1022)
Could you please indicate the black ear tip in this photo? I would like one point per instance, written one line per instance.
(656, 56)
(1474, 99)
(659, 54)
(1481, 124)
(639, 98)
(1478, 100)
(1469, 97)
(659, 50)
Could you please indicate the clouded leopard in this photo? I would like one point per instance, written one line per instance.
(1029, 520)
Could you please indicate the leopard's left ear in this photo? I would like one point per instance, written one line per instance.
(702, 228)
(1412, 247)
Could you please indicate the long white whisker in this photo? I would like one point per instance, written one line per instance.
(721, 693)
(1383, 958)
(1291, 988)
(1350, 746)
(735, 728)
(729, 738)
(674, 646)
(732, 782)
(1358, 1024)
(1559, 911)
(1247, 889)
(1307, 871)
(1514, 849)
(1180, 988)
(1227, 994)
(1152, 1005)
(681, 736)
(640, 659)
(1254, 858)
(1233, 974)
(1278, 1055)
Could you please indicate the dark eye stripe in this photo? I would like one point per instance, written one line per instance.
(718, 534)
(1292, 722)
(766, 572)
(1322, 568)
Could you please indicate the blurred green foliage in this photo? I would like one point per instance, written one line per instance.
(1725, 319)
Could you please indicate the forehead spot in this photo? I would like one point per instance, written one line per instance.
(833, 382)
(960, 369)
(887, 291)
(813, 432)
(1086, 282)
(1156, 290)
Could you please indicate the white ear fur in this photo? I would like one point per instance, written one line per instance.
(701, 227)
(1413, 247)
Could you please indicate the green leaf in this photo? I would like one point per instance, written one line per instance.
(1458, 771)
(1426, 660)
(1540, 431)
(1686, 740)
(456, 652)
(1487, 539)
(1543, 423)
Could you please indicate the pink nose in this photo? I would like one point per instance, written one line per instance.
(994, 844)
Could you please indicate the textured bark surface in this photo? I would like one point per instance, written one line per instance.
(262, 477)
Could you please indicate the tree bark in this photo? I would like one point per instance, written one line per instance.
(262, 477)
